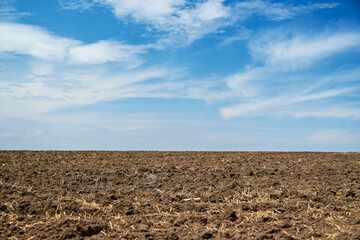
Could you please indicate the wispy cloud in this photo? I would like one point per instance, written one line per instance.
(42, 68)
(156, 11)
(242, 34)
(37, 43)
(8, 12)
(63, 72)
(345, 111)
(273, 48)
(106, 51)
(42, 44)
(183, 21)
(59, 76)
(279, 11)
(76, 4)
(67, 87)
(61, 86)
(283, 62)
(271, 105)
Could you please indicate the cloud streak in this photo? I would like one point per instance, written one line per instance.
(279, 11)
(8, 12)
(76, 4)
(283, 63)
(269, 105)
(44, 45)
(106, 51)
(301, 49)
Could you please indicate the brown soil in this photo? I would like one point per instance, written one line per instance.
(179, 195)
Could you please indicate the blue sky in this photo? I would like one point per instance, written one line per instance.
(180, 75)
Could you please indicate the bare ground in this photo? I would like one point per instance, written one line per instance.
(179, 195)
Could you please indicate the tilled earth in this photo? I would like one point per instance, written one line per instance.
(179, 195)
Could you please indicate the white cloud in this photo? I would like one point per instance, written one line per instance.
(42, 68)
(58, 74)
(75, 4)
(41, 44)
(105, 51)
(242, 82)
(34, 41)
(271, 105)
(8, 12)
(210, 10)
(184, 21)
(279, 11)
(350, 112)
(155, 11)
(280, 83)
(335, 136)
(190, 22)
(37, 91)
(68, 86)
(301, 49)
(281, 58)
(11, 107)
(241, 34)
(58, 84)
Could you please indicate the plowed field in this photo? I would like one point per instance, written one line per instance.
(179, 195)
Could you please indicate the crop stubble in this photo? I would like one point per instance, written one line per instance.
(179, 195)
